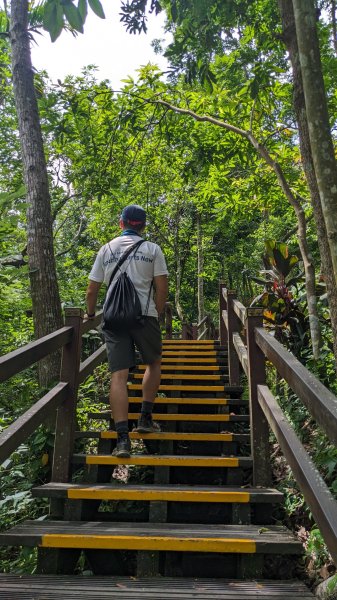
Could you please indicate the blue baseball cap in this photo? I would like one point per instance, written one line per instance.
(133, 214)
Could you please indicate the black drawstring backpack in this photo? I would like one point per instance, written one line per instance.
(122, 309)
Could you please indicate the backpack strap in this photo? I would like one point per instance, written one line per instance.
(123, 258)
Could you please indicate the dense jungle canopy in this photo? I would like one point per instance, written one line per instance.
(231, 147)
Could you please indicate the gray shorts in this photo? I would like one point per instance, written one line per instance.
(120, 346)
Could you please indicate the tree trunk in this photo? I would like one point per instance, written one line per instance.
(179, 273)
(290, 40)
(47, 314)
(318, 119)
(200, 276)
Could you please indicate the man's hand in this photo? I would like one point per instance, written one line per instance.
(161, 290)
(91, 297)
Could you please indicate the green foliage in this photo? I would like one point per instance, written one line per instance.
(57, 14)
(281, 311)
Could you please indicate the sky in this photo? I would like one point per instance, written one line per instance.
(105, 43)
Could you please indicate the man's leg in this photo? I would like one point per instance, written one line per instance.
(119, 408)
(151, 382)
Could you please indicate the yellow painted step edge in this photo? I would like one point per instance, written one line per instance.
(188, 401)
(165, 461)
(175, 360)
(177, 417)
(182, 388)
(168, 435)
(189, 353)
(162, 495)
(126, 542)
(184, 367)
(185, 417)
(183, 377)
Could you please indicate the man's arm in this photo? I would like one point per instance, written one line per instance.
(91, 297)
(160, 283)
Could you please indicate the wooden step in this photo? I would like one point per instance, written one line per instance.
(176, 436)
(244, 539)
(191, 342)
(168, 493)
(192, 388)
(187, 368)
(215, 418)
(156, 460)
(203, 348)
(207, 353)
(182, 377)
(51, 587)
(189, 401)
(180, 360)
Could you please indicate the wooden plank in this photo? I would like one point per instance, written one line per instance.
(318, 496)
(88, 365)
(192, 401)
(183, 377)
(190, 348)
(165, 460)
(259, 429)
(184, 388)
(213, 418)
(46, 587)
(152, 536)
(169, 493)
(241, 351)
(240, 310)
(187, 437)
(24, 426)
(24, 357)
(191, 342)
(190, 353)
(234, 325)
(320, 402)
(193, 367)
(89, 324)
(175, 360)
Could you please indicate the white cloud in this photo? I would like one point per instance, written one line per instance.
(105, 43)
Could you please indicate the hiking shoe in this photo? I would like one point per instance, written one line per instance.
(146, 424)
(123, 447)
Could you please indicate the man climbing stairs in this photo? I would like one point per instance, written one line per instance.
(187, 511)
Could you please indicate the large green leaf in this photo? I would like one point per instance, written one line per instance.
(96, 6)
(73, 16)
(83, 9)
(53, 19)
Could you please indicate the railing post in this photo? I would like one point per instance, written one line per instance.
(259, 430)
(222, 306)
(184, 331)
(233, 325)
(194, 331)
(168, 321)
(66, 414)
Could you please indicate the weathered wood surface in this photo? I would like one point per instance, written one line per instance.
(159, 536)
(18, 360)
(165, 460)
(176, 493)
(24, 426)
(318, 496)
(321, 403)
(47, 587)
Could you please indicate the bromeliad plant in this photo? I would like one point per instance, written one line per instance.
(281, 311)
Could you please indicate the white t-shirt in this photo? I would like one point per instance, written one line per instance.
(147, 262)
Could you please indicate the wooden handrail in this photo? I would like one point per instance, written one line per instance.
(240, 310)
(321, 403)
(317, 494)
(241, 351)
(25, 425)
(88, 365)
(89, 324)
(18, 360)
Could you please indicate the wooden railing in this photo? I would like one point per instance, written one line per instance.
(63, 396)
(205, 330)
(249, 346)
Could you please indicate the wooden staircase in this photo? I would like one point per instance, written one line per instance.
(188, 524)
